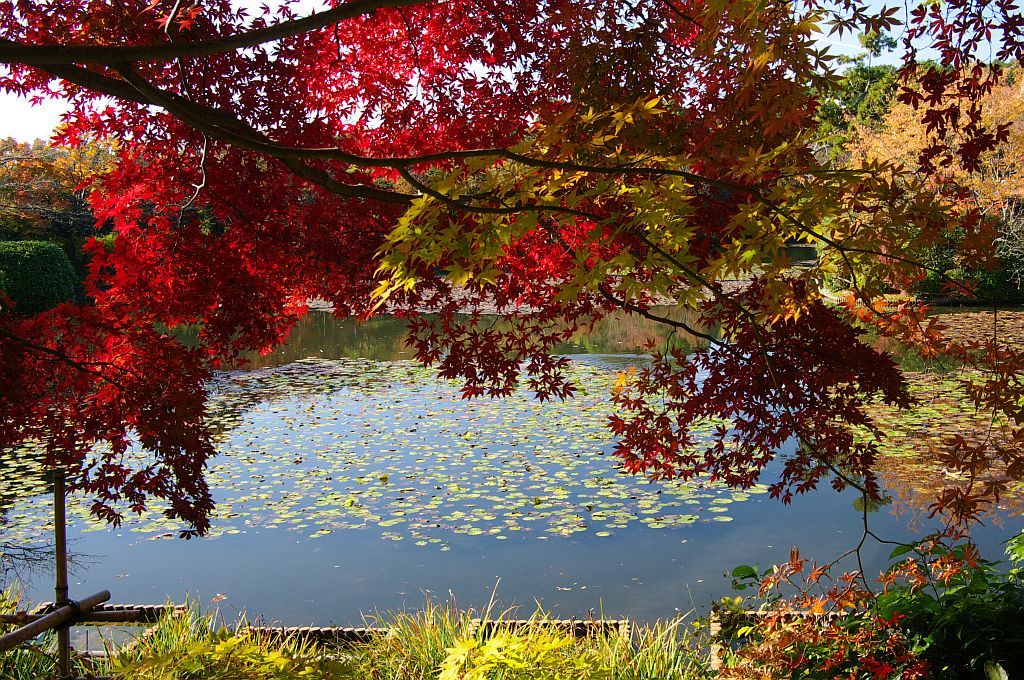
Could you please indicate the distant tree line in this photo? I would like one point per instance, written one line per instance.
(45, 220)
(866, 123)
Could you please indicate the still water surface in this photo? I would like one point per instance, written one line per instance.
(350, 480)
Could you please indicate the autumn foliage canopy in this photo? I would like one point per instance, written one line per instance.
(551, 159)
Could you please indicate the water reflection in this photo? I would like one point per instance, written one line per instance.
(321, 335)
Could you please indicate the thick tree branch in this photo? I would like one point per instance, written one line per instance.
(227, 127)
(12, 52)
(216, 124)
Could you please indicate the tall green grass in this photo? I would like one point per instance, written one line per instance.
(416, 644)
(438, 642)
(445, 642)
(196, 646)
(28, 661)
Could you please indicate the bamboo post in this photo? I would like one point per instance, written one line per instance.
(52, 620)
(60, 541)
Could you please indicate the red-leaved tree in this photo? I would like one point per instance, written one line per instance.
(553, 160)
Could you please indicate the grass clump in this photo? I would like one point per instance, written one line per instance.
(193, 646)
(416, 645)
(438, 642)
(28, 661)
(443, 642)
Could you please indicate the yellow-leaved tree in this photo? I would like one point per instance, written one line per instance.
(44, 191)
(995, 188)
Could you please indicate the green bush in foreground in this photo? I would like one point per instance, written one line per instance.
(440, 642)
(35, 274)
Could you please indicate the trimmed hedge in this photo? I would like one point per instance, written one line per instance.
(996, 285)
(35, 274)
(990, 286)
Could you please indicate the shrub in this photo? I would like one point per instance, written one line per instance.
(1000, 284)
(942, 612)
(538, 652)
(966, 623)
(996, 285)
(36, 275)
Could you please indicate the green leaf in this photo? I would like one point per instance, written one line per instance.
(744, 571)
(900, 550)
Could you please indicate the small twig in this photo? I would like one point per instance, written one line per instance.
(647, 314)
(171, 17)
(202, 175)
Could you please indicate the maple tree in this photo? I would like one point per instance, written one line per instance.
(550, 160)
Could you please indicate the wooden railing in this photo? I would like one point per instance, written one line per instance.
(100, 615)
(61, 617)
(338, 634)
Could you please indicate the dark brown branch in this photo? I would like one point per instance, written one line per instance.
(489, 209)
(12, 52)
(230, 129)
(85, 367)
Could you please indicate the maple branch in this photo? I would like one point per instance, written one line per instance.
(714, 288)
(681, 14)
(229, 128)
(237, 132)
(202, 176)
(491, 210)
(12, 52)
(232, 130)
(84, 367)
(171, 16)
(794, 422)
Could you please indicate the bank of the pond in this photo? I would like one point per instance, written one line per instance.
(438, 640)
(947, 631)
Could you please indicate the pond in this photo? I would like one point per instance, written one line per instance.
(351, 480)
